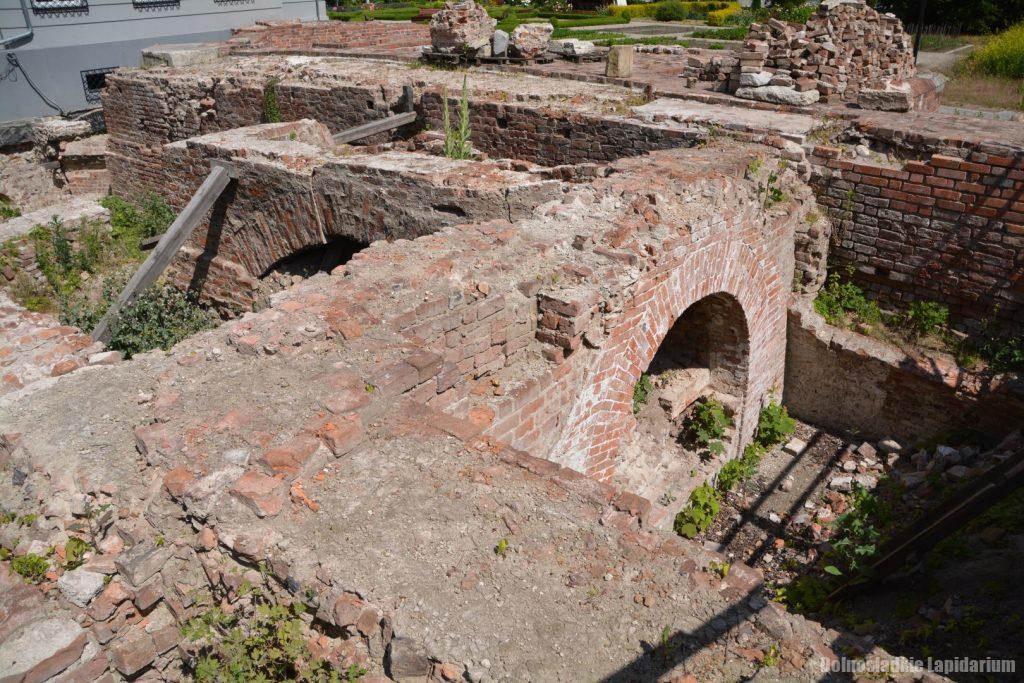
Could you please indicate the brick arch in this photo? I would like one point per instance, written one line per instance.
(603, 416)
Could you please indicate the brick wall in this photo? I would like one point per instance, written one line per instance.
(848, 382)
(335, 34)
(551, 138)
(291, 194)
(947, 229)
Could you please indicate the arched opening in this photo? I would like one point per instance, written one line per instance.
(703, 356)
(321, 258)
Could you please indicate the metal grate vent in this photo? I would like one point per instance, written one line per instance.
(60, 6)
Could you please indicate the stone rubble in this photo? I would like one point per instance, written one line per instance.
(462, 27)
(530, 40)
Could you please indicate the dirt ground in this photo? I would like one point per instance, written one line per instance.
(962, 601)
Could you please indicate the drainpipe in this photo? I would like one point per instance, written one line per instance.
(27, 35)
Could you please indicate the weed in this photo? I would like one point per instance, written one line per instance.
(457, 140)
(926, 317)
(263, 642)
(859, 530)
(699, 513)
(8, 210)
(31, 567)
(740, 469)
(74, 553)
(27, 520)
(271, 113)
(771, 657)
(708, 423)
(840, 300)
(641, 392)
(501, 550)
(774, 424)
(719, 568)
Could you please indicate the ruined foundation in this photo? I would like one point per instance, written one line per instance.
(418, 414)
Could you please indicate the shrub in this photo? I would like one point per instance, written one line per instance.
(721, 17)
(699, 513)
(773, 425)
(925, 317)
(1003, 55)
(671, 10)
(859, 531)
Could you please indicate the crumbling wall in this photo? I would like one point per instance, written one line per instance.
(292, 192)
(296, 35)
(848, 382)
(553, 138)
(947, 229)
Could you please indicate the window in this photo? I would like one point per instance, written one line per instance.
(151, 4)
(59, 6)
(93, 81)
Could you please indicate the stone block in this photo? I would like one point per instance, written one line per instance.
(141, 562)
(530, 40)
(620, 61)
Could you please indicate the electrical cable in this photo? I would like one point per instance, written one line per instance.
(12, 59)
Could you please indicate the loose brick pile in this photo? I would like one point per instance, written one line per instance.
(34, 348)
(845, 47)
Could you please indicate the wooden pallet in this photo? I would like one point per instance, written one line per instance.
(591, 57)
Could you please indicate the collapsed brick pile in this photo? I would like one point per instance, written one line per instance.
(843, 49)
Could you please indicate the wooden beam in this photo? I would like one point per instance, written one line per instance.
(220, 175)
(374, 127)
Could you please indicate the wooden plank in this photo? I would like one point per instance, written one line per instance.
(374, 127)
(914, 542)
(167, 247)
(150, 242)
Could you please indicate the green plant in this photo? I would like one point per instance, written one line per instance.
(28, 520)
(132, 222)
(720, 568)
(74, 552)
(926, 317)
(740, 469)
(641, 392)
(700, 511)
(859, 531)
(774, 424)
(8, 210)
(160, 318)
(31, 567)
(457, 143)
(841, 299)
(708, 423)
(271, 113)
(671, 10)
(807, 593)
(771, 656)
(264, 642)
(1003, 55)
(501, 550)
